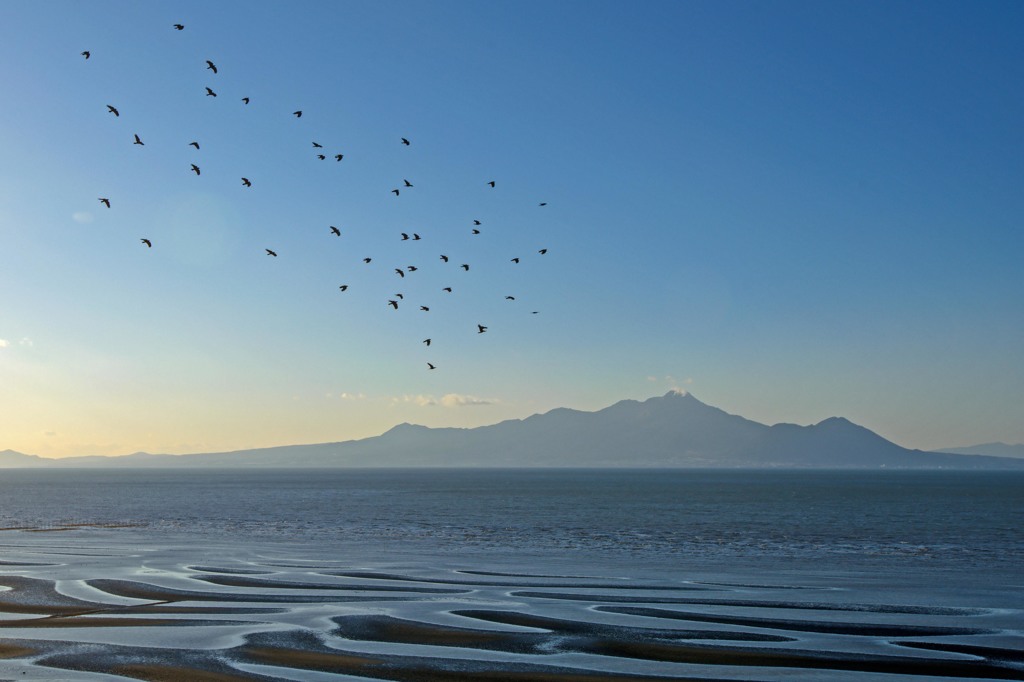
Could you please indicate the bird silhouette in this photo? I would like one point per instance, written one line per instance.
(444, 258)
(343, 287)
(401, 273)
(480, 329)
(210, 93)
(335, 230)
(415, 237)
(270, 253)
(400, 296)
(339, 157)
(430, 366)
(245, 100)
(393, 304)
(477, 222)
(138, 141)
(405, 142)
(211, 66)
(448, 289)
(321, 157)
(424, 308)
(317, 145)
(491, 183)
(246, 182)
(542, 251)
(515, 260)
(411, 268)
(194, 144)
(105, 201)
(195, 169)
(405, 237)
(112, 110)
(476, 231)
(179, 27)
(407, 183)
(543, 203)
(510, 298)
(297, 114)
(395, 191)
(86, 54)
(147, 243)
(426, 341)
(367, 260)
(465, 266)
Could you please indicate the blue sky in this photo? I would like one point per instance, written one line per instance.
(793, 210)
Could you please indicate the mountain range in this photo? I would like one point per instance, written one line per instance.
(671, 431)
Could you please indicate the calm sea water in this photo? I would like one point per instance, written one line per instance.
(962, 521)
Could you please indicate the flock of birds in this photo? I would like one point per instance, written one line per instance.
(397, 299)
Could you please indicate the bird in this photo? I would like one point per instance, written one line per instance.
(430, 366)
(405, 237)
(245, 100)
(426, 341)
(407, 183)
(86, 54)
(542, 251)
(405, 142)
(147, 242)
(476, 231)
(339, 157)
(270, 253)
(211, 66)
(343, 287)
(138, 141)
(411, 268)
(317, 145)
(335, 230)
(321, 157)
(179, 27)
(210, 93)
(477, 222)
(105, 201)
(448, 289)
(444, 258)
(510, 298)
(113, 110)
(194, 144)
(491, 183)
(367, 260)
(424, 308)
(400, 296)
(393, 304)
(395, 191)
(246, 182)
(480, 329)
(297, 114)
(400, 271)
(465, 266)
(195, 168)
(515, 260)
(543, 203)
(415, 237)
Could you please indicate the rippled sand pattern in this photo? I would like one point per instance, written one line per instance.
(75, 608)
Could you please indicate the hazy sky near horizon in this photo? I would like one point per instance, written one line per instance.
(793, 210)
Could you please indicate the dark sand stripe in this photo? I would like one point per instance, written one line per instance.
(136, 590)
(492, 583)
(238, 581)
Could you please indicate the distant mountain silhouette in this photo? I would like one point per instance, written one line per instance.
(990, 449)
(674, 430)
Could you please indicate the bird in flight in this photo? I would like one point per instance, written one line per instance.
(407, 183)
(465, 266)
(393, 304)
(343, 287)
(401, 273)
(424, 308)
(194, 144)
(430, 366)
(245, 181)
(426, 341)
(297, 114)
(415, 237)
(113, 110)
(210, 93)
(211, 66)
(515, 260)
(339, 157)
(480, 329)
(476, 231)
(411, 268)
(138, 141)
(245, 100)
(395, 191)
(510, 298)
(476, 222)
(86, 54)
(195, 169)
(179, 27)
(321, 157)
(147, 243)
(491, 183)
(543, 203)
(444, 258)
(105, 201)
(270, 253)
(336, 231)
(400, 296)
(405, 237)
(317, 145)
(448, 289)
(542, 251)
(405, 142)
(367, 260)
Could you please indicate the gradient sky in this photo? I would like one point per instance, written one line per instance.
(791, 209)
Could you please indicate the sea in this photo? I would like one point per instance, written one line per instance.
(518, 574)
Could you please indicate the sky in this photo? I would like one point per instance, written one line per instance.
(793, 210)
